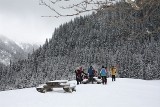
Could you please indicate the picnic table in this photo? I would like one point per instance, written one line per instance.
(50, 85)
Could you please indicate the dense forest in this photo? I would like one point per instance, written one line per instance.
(116, 36)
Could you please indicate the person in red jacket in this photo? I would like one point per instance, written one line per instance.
(78, 76)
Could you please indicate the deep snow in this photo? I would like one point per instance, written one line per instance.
(121, 93)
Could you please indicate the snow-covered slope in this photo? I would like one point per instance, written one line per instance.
(28, 47)
(121, 93)
(10, 50)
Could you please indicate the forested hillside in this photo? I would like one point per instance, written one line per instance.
(116, 36)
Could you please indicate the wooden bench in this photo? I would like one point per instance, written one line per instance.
(57, 84)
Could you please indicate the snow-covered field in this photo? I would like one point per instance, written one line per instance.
(121, 93)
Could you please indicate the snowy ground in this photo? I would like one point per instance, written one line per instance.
(122, 93)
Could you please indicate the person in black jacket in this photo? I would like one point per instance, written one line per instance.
(91, 74)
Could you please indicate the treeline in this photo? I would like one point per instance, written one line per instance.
(119, 36)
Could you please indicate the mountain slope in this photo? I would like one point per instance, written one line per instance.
(9, 50)
(121, 93)
(12, 51)
(28, 48)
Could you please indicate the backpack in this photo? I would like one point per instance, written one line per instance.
(103, 72)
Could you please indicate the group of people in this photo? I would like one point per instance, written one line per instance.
(103, 74)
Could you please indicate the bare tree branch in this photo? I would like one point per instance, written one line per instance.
(78, 8)
(84, 6)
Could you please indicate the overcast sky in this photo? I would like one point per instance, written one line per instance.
(21, 21)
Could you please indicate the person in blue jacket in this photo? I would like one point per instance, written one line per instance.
(103, 74)
(91, 74)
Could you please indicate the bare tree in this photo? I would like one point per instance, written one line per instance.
(77, 7)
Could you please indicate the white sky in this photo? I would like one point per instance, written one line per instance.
(21, 21)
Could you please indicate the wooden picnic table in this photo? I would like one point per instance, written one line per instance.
(50, 85)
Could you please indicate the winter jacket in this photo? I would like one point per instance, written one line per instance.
(78, 74)
(113, 71)
(103, 72)
(90, 72)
